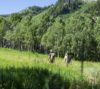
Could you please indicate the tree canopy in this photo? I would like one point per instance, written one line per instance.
(64, 27)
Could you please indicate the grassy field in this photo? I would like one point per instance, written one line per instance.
(19, 62)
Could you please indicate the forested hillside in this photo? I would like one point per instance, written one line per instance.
(68, 26)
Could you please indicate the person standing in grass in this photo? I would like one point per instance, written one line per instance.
(67, 58)
(51, 56)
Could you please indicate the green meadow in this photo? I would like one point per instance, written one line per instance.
(71, 26)
(27, 70)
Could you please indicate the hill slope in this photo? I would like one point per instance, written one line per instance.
(62, 27)
(19, 68)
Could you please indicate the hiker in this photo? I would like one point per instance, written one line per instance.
(51, 56)
(67, 58)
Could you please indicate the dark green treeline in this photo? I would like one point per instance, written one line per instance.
(64, 27)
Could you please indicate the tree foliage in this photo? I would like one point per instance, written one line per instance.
(61, 27)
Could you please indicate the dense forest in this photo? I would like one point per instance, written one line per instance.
(68, 26)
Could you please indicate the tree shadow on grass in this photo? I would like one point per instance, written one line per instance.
(35, 78)
(30, 78)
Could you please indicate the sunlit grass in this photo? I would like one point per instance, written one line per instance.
(21, 59)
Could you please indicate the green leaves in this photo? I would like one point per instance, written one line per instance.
(54, 28)
(98, 6)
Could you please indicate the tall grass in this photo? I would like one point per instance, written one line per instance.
(26, 70)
